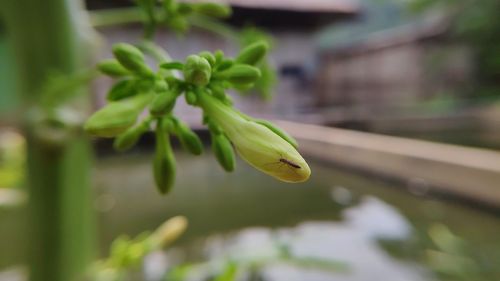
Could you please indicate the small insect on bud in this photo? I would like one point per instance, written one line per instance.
(116, 117)
(257, 144)
(164, 161)
(223, 150)
(122, 89)
(162, 103)
(189, 139)
(112, 68)
(132, 59)
(253, 53)
(212, 9)
(240, 74)
(129, 138)
(197, 70)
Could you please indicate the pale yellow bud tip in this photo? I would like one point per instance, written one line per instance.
(170, 230)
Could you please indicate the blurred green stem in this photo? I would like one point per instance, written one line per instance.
(45, 36)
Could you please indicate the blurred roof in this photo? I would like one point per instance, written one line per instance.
(380, 24)
(283, 14)
(325, 6)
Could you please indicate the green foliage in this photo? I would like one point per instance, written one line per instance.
(477, 23)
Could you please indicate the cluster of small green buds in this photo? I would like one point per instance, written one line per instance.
(175, 15)
(127, 253)
(144, 99)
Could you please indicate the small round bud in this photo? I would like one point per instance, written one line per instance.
(112, 68)
(253, 53)
(160, 85)
(197, 70)
(191, 98)
(132, 59)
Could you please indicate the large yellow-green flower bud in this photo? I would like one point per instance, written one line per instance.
(132, 59)
(253, 53)
(256, 144)
(197, 70)
(116, 117)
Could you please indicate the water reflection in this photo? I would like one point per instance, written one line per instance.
(350, 244)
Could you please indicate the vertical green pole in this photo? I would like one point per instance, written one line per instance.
(45, 35)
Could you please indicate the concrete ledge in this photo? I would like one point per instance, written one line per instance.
(467, 172)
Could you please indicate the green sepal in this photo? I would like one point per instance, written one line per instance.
(132, 59)
(253, 53)
(164, 162)
(277, 131)
(112, 68)
(172, 65)
(223, 150)
(116, 117)
(122, 89)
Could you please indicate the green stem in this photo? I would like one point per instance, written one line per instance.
(45, 37)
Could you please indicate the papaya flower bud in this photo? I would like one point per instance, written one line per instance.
(240, 74)
(215, 10)
(112, 68)
(256, 144)
(169, 231)
(129, 138)
(164, 161)
(122, 89)
(223, 151)
(197, 70)
(253, 53)
(116, 117)
(132, 59)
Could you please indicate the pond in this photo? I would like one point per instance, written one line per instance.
(365, 228)
(377, 230)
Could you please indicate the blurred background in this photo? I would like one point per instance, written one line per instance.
(395, 104)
